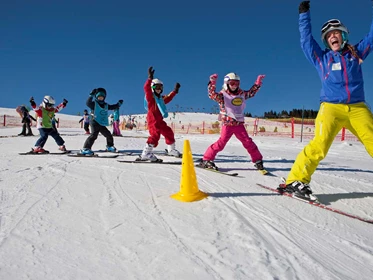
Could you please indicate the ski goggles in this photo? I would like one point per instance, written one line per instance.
(100, 93)
(157, 87)
(233, 83)
(330, 23)
(49, 105)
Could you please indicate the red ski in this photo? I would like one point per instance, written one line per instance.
(318, 204)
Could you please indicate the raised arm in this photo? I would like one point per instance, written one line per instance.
(211, 88)
(310, 47)
(364, 47)
(172, 94)
(255, 88)
(90, 103)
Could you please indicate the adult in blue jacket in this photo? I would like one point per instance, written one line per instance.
(342, 95)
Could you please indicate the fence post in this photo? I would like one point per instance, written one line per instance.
(292, 127)
(203, 127)
(255, 130)
(58, 123)
(343, 133)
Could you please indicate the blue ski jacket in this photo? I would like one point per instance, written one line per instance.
(340, 72)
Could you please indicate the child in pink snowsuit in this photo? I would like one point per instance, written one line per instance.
(232, 102)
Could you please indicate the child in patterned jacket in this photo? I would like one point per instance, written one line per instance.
(232, 102)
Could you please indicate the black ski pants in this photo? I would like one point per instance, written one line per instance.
(96, 128)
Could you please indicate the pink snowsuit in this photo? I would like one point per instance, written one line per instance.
(232, 115)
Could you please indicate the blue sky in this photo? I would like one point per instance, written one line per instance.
(67, 48)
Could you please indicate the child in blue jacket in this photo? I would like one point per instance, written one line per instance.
(96, 102)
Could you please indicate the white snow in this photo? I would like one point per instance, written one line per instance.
(72, 218)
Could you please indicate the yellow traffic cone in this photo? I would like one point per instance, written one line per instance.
(189, 191)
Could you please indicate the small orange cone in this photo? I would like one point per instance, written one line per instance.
(189, 191)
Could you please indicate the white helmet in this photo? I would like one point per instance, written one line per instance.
(48, 101)
(228, 77)
(156, 82)
(334, 24)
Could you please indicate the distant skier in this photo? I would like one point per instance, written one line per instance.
(96, 102)
(26, 120)
(155, 104)
(85, 119)
(116, 130)
(45, 113)
(232, 102)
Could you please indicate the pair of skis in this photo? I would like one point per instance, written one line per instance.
(107, 154)
(70, 154)
(45, 153)
(160, 161)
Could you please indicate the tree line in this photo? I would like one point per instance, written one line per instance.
(295, 113)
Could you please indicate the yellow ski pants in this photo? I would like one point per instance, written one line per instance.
(357, 118)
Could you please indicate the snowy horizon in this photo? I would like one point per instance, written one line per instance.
(87, 218)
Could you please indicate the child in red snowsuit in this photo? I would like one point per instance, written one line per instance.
(156, 107)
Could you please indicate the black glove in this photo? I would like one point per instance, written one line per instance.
(120, 102)
(304, 7)
(151, 73)
(177, 86)
(65, 102)
(32, 101)
(93, 92)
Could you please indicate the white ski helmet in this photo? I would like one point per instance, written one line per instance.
(228, 77)
(156, 82)
(334, 24)
(48, 101)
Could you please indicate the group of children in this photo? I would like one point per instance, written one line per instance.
(231, 101)
(342, 105)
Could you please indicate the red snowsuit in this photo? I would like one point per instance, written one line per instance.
(154, 118)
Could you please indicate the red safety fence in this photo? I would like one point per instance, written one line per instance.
(291, 128)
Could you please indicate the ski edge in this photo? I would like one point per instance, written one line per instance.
(49, 153)
(151, 162)
(218, 172)
(92, 156)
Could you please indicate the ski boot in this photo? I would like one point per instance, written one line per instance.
(39, 150)
(300, 190)
(86, 152)
(208, 164)
(111, 149)
(259, 165)
(62, 148)
(171, 151)
(148, 155)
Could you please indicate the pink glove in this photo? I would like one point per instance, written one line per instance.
(213, 78)
(258, 81)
